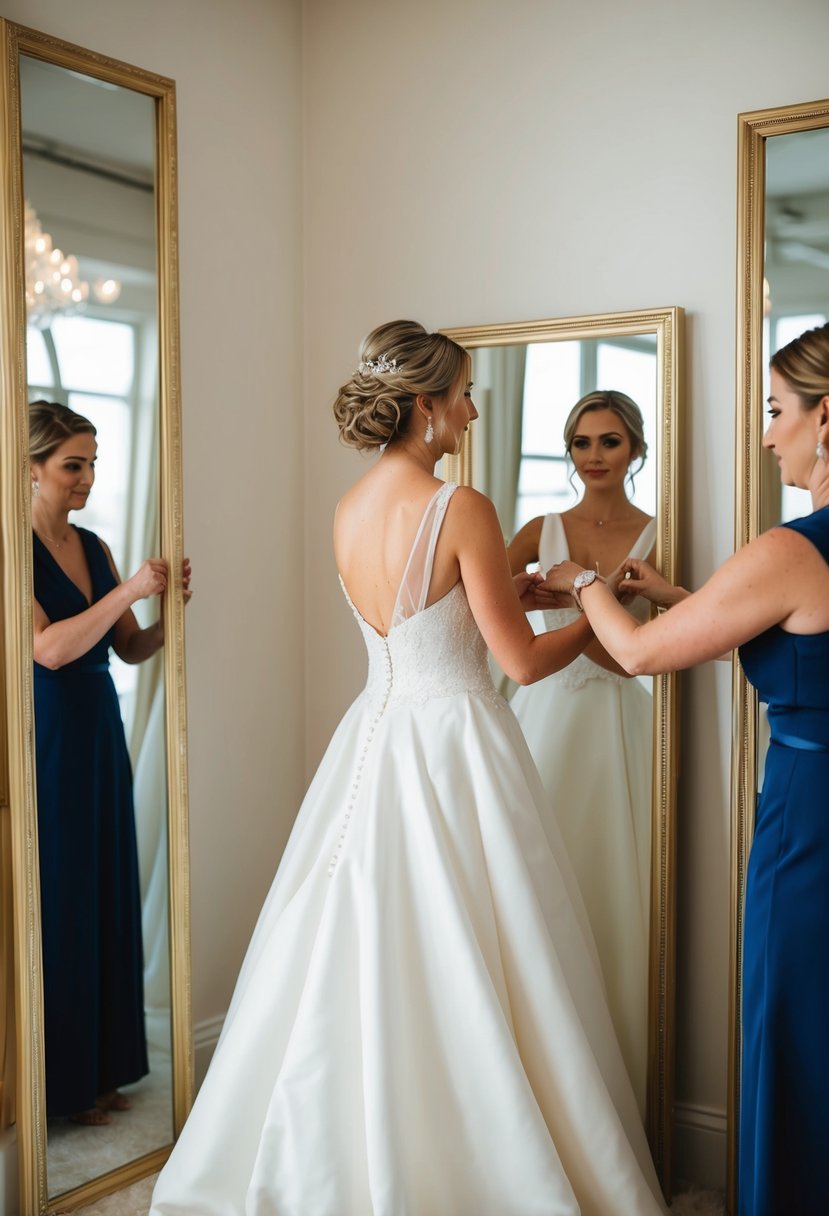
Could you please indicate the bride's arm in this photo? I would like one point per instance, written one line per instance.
(473, 530)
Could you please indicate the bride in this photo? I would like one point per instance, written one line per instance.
(420, 1026)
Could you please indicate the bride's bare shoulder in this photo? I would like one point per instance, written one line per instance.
(472, 504)
(472, 514)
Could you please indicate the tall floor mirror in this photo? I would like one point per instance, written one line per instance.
(606, 745)
(783, 289)
(90, 321)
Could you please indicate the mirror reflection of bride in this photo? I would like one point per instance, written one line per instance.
(589, 726)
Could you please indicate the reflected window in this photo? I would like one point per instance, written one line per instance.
(556, 375)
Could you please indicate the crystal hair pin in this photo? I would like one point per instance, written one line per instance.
(373, 367)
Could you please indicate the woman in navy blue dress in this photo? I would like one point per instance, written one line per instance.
(90, 907)
(772, 600)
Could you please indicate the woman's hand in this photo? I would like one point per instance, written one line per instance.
(634, 576)
(525, 584)
(149, 579)
(559, 578)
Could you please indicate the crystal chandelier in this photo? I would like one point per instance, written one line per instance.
(52, 280)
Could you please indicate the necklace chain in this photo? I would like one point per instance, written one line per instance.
(57, 543)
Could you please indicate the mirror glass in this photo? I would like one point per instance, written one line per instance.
(783, 276)
(795, 298)
(796, 274)
(89, 184)
(590, 728)
(606, 745)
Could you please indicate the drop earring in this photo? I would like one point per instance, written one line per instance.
(36, 488)
(429, 433)
(820, 451)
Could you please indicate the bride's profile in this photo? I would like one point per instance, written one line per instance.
(420, 1027)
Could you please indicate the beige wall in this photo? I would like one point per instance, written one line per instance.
(480, 161)
(464, 161)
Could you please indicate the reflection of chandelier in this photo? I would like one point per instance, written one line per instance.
(52, 281)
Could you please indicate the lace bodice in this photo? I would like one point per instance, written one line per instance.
(553, 548)
(434, 651)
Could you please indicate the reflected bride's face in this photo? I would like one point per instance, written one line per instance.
(791, 433)
(66, 477)
(601, 449)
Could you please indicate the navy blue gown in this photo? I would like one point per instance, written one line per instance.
(90, 901)
(784, 1113)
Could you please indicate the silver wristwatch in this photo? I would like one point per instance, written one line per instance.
(582, 580)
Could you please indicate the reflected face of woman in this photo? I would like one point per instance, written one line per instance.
(601, 449)
(457, 410)
(791, 433)
(66, 477)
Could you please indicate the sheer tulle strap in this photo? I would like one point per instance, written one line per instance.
(414, 586)
(645, 541)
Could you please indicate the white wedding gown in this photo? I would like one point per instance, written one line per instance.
(419, 1027)
(590, 732)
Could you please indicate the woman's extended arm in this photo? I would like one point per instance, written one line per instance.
(56, 644)
(777, 579)
(485, 571)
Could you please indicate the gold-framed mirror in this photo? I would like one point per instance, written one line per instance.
(782, 290)
(90, 148)
(527, 376)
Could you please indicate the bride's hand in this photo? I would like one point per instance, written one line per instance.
(525, 584)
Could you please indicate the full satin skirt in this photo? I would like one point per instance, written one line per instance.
(420, 1026)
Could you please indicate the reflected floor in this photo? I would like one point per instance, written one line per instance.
(76, 1153)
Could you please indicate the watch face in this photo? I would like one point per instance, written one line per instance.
(584, 579)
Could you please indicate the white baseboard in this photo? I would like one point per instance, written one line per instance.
(8, 1172)
(205, 1037)
(700, 1145)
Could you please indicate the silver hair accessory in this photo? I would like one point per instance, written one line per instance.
(820, 451)
(429, 433)
(35, 488)
(375, 367)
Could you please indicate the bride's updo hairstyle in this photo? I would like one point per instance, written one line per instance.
(625, 409)
(804, 365)
(398, 361)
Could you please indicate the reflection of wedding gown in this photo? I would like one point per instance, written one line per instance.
(590, 732)
(419, 1027)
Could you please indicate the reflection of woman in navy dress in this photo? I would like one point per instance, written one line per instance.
(90, 909)
(772, 600)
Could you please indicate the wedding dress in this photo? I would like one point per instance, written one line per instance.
(590, 731)
(419, 1027)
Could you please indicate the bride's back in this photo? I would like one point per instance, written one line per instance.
(375, 527)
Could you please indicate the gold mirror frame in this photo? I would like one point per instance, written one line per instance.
(667, 326)
(15, 522)
(753, 129)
